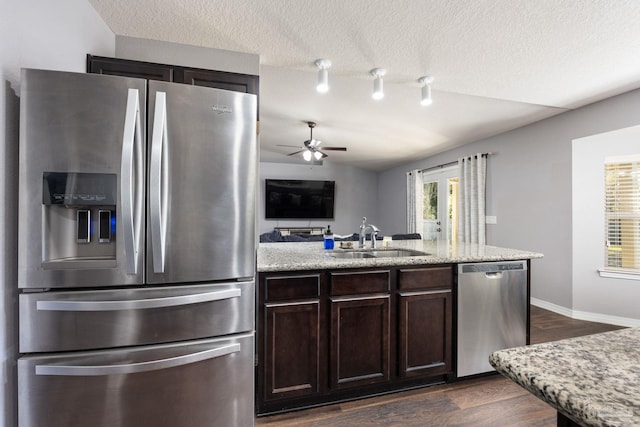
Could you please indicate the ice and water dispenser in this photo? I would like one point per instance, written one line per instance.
(79, 218)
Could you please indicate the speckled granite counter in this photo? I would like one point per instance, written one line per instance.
(312, 256)
(593, 380)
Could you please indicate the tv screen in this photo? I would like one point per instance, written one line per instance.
(299, 199)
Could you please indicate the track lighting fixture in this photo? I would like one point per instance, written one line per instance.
(426, 81)
(378, 91)
(323, 75)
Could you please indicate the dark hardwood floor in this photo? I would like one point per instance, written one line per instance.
(488, 401)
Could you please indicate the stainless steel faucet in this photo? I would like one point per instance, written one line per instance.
(363, 233)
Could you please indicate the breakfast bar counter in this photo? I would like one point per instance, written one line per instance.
(592, 380)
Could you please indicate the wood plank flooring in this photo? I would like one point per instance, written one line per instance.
(491, 401)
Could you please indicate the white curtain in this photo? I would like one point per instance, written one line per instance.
(414, 201)
(471, 199)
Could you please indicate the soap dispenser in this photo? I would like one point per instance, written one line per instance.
(328, 238)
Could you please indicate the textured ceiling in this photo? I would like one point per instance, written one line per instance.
(498, 64)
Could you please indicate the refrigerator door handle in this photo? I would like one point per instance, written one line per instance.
(132, 368)
(138, 304)
(131, 174)
(158, 176)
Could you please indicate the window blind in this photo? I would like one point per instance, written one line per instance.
(622, 214)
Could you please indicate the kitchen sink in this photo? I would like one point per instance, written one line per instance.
(351, 255)
(375, 253)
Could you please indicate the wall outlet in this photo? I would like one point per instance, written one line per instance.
(490, 219)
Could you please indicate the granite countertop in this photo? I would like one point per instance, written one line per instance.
(594, 380)
(287, 256)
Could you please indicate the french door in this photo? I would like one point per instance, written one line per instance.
(440, 195)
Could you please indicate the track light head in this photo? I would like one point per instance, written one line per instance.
(378, 90)
(425, 98)
(323, 75)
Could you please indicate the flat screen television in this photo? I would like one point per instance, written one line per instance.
(299, 199)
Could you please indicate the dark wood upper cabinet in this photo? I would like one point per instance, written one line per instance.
(126, 68)
(246, 83)
(218, 79)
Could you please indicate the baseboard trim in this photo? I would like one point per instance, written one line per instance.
(584, 315)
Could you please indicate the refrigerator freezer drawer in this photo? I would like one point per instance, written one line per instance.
(85, 320)
(195, 384)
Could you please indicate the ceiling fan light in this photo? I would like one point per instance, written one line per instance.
(323, 75)
(378, 90)
(317, 155)
(307, 155)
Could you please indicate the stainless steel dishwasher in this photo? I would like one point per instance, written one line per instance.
(492, 312)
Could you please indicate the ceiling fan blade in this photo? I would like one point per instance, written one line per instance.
(297, 152)
(323, 154)
(335, 148)
(283, 145)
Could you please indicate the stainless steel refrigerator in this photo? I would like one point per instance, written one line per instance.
(136, 258)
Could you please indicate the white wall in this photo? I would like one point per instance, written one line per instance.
(592, 293)
(529, 190)
(52, 34)
(355, 196)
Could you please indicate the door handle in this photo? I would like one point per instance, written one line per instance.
(138, 304)
(158, 183)
(493, 275)
(131, 175)
(132, 368)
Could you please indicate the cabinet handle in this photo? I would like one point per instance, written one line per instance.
(133, 368)
(439, 291)
(362, 298)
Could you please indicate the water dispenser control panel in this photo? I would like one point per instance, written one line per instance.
(79, 215)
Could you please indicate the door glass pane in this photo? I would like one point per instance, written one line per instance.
(430, 211)
(431, 200)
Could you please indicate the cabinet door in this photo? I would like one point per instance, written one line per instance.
(218, 79)
(292, 349)
(127, 68)
(424, 333)
(359, 341)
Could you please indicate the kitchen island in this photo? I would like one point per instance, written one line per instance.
(348, 323)
(591, 381)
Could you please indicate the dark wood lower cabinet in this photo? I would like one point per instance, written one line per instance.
(292, 357)
(334, 335)
(360, 353)
(424, 333)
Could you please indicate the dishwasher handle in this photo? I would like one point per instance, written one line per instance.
(493, 274)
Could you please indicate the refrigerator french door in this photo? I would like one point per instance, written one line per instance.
(136, 252)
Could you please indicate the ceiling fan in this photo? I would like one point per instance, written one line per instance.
(311, 147)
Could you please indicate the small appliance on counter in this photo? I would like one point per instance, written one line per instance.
(136, 255)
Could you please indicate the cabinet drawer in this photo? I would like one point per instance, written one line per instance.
(425, 278)
(366, 282)
(283, 288)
